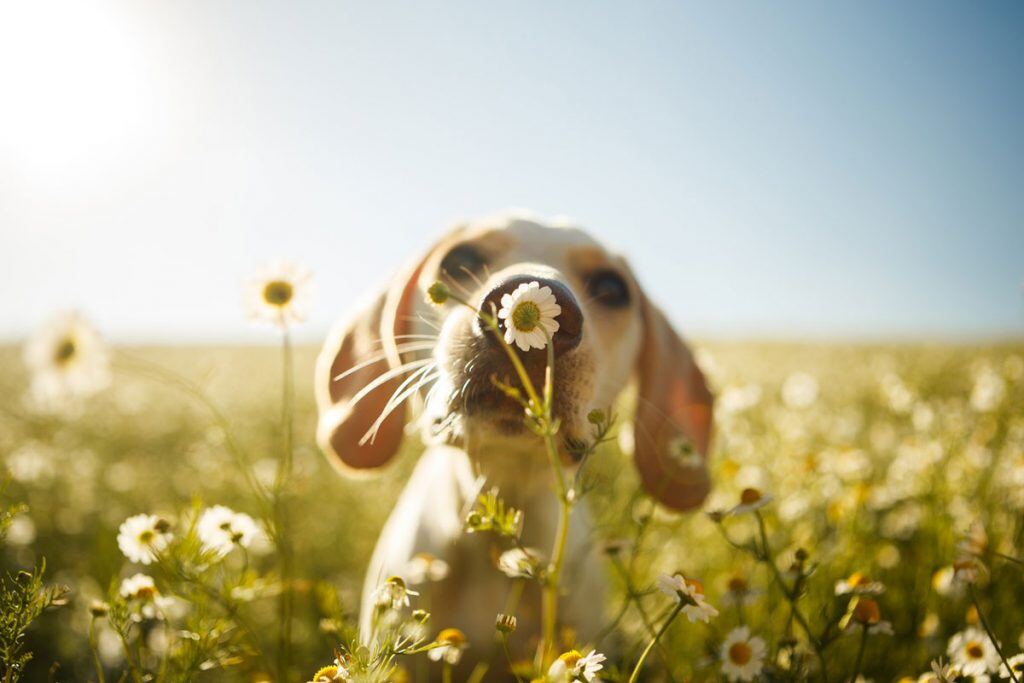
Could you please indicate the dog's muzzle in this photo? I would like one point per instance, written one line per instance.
(570, 320)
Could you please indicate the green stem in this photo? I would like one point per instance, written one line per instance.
(281, 509)
(446, 673)
(860, 653)
(95, 652)
(654, 641)
(991, 636)
(508, 657)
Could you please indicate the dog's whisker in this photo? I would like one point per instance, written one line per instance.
(456, 284)
(402, 348)
(387, 376)
(471, 274)
(396, 400)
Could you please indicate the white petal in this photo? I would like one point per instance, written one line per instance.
(506, 300)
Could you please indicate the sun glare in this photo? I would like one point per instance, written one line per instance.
(73, 82)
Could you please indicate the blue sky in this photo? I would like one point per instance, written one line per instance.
(771, 169)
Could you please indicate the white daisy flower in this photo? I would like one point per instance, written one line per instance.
(452, 643)
(751, 499)
(393, 594)
(859, 584)
(528, 312)
(691, 594)
(572, 666)
(141, 537)
(145, 599)
(220, 529)
(67, 361)
(972, 652)
(425, 567)
(1016, 663)
(519, 563)
(281, 294)
(742, 655)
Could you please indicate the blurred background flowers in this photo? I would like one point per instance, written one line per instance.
(825, 197)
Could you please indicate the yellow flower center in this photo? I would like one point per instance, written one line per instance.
(750, 496)
(857, 579)
(452, 636)
(146, 536)
(570, 658)
(975, 650)
(145, 593)
(327, 673)
(278, 292)
(65, 351)
(867, 612)
(526, 316)
(737, 584)
(740, 653)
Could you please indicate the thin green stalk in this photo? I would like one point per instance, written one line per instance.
(281, 508)
(860, 653)
(508, 656)
(654, 641)
(95, 652)
(991, 636)
(446, 673)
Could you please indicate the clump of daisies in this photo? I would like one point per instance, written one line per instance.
(280, 294)
(67, 361)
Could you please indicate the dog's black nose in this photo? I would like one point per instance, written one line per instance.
(570, 319)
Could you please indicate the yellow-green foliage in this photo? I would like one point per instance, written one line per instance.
(878, 458)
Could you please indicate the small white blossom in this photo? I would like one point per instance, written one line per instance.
(452, 642)
(141, 537)
(67, 362)
(858, 584)
(742, 655)
(145, 600)
(519, 563)
(1016, 663)
(425, 567)
(972, 652)
(529, 311)
(393, 594)
(220, 529)
(572, 665)
(691, 594)
(280, 294)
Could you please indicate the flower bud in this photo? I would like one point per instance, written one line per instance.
(438, 293)
(505, 623)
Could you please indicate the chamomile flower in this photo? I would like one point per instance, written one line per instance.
(1016, 663)
(751, 499)
(572, 665)
(452, 642)
(738, 591)
(393, 594)
(742, 654)
(220, 529)
(529, 312)
(141, 537)
(972, 652)
(859, 584)
(425, 567)
(519, 563)
(691, 594)
(334, 673)
(143, 597)
(865, 614)
(67, 361)
(281, 294)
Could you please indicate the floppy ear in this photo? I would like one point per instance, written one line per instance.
(673, 416)
(345, 415)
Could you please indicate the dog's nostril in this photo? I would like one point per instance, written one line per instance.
(570, 320)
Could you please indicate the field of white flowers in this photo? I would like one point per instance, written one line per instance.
(866, 522)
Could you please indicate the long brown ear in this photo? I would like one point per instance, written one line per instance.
(673, 416)
(346, 416)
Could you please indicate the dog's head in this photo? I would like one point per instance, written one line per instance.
(399, 347)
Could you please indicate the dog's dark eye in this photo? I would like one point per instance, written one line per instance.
(462, 261)
(608, 288)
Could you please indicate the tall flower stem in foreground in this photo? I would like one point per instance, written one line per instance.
(633, 677)
(281, 508)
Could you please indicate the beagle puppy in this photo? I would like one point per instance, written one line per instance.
(399, 350)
